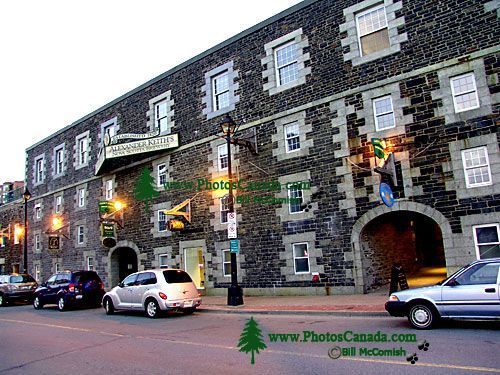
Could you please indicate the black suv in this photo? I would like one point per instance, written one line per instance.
(67, 289)
(16, 287)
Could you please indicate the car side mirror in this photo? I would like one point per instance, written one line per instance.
(452, 282)
(43, 284)
(121, 285)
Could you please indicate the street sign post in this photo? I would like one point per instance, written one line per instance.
(234, 246)
(232, 231)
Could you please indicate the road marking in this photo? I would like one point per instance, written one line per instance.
(384, 361)
(62, 327)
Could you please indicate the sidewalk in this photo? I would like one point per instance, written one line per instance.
(339, 305)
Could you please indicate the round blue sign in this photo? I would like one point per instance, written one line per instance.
(386, 194)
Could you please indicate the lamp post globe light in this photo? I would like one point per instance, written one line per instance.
(26, 197)
(234, 293)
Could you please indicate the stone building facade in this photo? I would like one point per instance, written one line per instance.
(11, 240)
(312, 85)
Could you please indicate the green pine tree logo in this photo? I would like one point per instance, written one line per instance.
(144, 190)
(251, 339)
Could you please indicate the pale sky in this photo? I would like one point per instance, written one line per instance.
(60, 59)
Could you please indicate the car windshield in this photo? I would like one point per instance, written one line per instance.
(176, 277)
(452, 275)
(19, 279)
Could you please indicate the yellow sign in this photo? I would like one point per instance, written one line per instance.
(175, 225)
(176, 210)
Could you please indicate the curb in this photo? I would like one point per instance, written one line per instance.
(298, 312)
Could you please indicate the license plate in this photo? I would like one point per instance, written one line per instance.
(79, 297)
(188, 304)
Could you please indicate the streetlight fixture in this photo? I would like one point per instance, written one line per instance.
(234, 293)
(26, 197)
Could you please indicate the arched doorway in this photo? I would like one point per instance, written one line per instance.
(432, 243)
(408, 238)
(123, 263)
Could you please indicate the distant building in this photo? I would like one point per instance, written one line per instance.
(313, 85)
(11, 217)
(11, 191)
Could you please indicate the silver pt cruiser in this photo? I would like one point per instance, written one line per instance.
(154, 291)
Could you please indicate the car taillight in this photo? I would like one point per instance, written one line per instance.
(71, 288)
(101, 285)
(199, 294)
(162, 295)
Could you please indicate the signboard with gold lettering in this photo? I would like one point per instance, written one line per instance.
(142, 146)
(54, 243)
(146, 143)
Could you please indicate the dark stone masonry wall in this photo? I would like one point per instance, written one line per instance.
(334, 106)
(11, 254)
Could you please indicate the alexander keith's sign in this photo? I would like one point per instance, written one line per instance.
(152, 143)
(139, 147)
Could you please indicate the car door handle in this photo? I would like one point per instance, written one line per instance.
(490, 290)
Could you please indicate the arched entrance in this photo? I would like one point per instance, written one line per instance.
(123, 262)
(407, 238)
(409, 233)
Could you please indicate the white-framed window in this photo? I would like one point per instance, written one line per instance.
(162, 174)
(224, 209)
(162, 221)
(59, 160)
(82, 150)
(464, 91)
(58, 204)
(226, 262)
(90, 263)
(109, 189)
(292, 137)
(81, 197)
(222, 159)
(18, 232)
(383, 113)
(37, 272)
(109, 130)
(39, 170)
(476, 167)
(220, 91)
(163, 260)
(373, 34)
(38, 245)
(301, 257)
(487, 240)
(287, 67)
(295, 206)
(81, 234)
(161, 116)
(57, 267)
(38, 211)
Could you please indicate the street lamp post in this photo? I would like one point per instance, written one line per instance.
(26, 197)
(234, 293)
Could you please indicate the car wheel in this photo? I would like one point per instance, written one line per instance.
(108, 306)
(189, 310)
(422, 316)
(3, 300)
(61, 304)
(37, 303)
(152, 308)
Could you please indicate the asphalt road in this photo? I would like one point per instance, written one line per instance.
(89, 342)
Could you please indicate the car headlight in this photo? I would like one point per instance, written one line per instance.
(393, 298)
